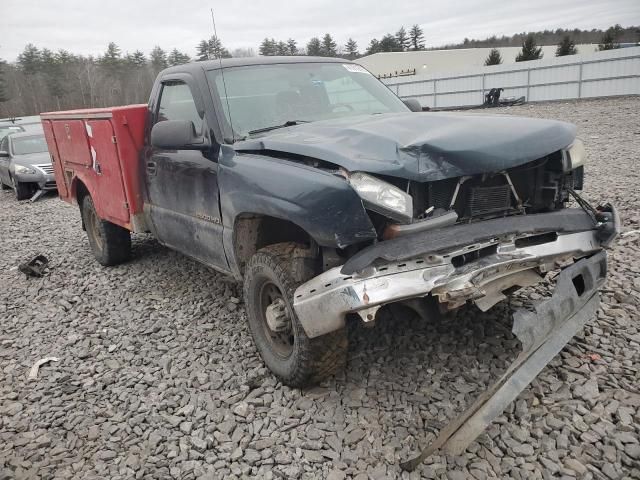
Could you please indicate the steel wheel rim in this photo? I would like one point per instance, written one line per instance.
(93, 226)
(281, 342)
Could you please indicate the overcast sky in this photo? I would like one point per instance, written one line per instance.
(86, 26)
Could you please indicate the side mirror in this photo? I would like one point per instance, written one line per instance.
(176, 135)
(413, 104)
(4, 154)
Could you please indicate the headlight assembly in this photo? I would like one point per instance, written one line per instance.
(23, 170)
(382, 197)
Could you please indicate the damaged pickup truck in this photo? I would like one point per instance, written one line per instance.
(330, 198)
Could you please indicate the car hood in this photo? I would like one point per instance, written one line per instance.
(42, 158)
(420, 146)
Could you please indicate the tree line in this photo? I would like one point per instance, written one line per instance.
(609, 40)
(43, 80)
(629, 34)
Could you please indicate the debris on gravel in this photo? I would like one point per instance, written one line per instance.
(158, 375)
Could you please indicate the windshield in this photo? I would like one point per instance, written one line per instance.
(26, 145)
(263, 96)
(6, 130)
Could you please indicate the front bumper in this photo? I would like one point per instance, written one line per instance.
(479, 272)
(45, 181)
(543, 334)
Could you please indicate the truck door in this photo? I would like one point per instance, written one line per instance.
(182, 185)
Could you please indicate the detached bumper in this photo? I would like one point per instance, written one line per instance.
(543, 334)
(479, 271)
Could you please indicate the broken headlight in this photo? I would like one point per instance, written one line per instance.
(382, 197)
(574, 156)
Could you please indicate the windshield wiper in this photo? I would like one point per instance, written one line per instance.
(288, 123)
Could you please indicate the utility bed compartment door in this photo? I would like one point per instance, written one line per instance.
(72, 141)
(105, 165)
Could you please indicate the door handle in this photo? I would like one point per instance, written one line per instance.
(152, 168)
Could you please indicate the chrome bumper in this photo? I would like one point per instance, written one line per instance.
(323, 302)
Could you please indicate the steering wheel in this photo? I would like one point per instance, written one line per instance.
(342, 105)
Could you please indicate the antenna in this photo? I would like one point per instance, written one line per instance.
(224, 84)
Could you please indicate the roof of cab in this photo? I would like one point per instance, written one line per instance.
(246, 61)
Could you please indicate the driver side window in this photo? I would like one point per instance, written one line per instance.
(176, 103)
(4, 145)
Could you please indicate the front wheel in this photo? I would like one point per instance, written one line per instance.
(22, 190)
(110, 243)
(271, 278)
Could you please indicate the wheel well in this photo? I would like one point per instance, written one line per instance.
(81, 192)
(252, 232)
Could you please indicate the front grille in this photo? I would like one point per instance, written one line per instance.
(441, 193)
(484, 200)
(48, 168)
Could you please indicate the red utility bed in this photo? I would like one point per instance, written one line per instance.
(99, 148)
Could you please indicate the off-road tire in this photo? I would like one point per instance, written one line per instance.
(110, 243)
(22, 190)
(288, 265)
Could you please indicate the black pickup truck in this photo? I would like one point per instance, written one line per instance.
(331, 198)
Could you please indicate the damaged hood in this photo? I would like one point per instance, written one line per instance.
(420, 146)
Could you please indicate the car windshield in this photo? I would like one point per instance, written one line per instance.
(262, 96)
(6, 130)
(31, 144)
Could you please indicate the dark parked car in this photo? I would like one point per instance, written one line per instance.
(25, 164)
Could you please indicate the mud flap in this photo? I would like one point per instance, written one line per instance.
(543, 334)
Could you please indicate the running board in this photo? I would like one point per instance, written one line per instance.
(543, 334)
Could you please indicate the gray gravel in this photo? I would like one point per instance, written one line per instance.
(158, 376)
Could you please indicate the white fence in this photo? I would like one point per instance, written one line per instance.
(612, 72)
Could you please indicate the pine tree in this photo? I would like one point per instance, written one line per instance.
(566, 47)
(388, 43)
(530, 50)
(52, 73)
(329, 47)
(137, 59)
(112, 58)
(282, 48)
(403, 40)
(494, 57)
(29, 60)
(374, 47)
(202, 51)
(177, 58)
(352, 48)
(4, 92)
(292, 46)
(216, 49)
(268, 47)
(416, 36)
(314, 47)
(609, 40)
(158, 59)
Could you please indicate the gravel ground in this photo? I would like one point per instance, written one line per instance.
(158, 377)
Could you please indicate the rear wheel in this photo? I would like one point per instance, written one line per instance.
(22, 190)
(110, 243)
(271, 277)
